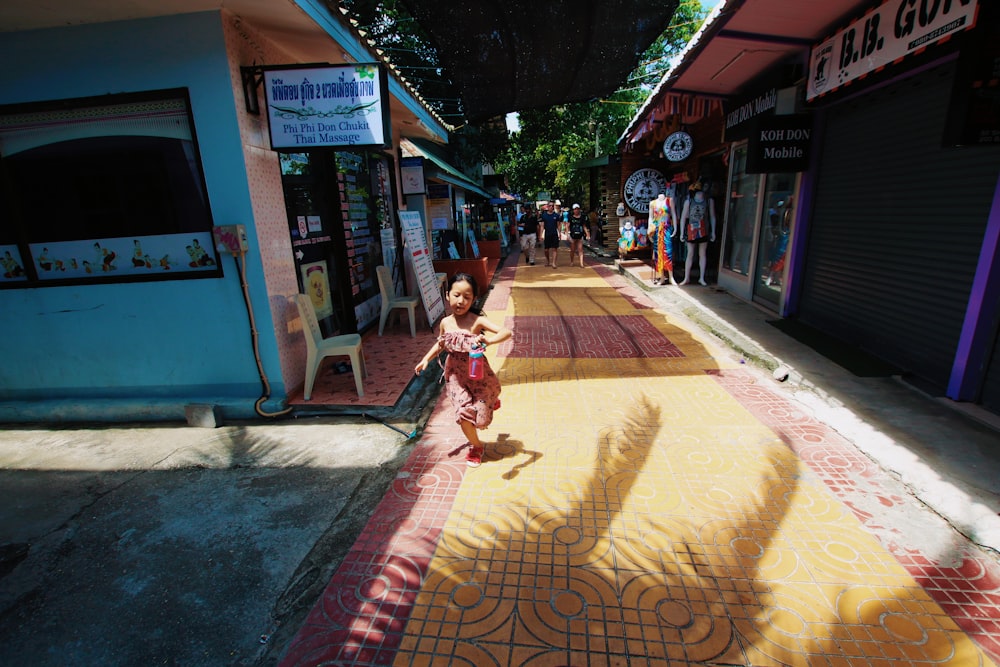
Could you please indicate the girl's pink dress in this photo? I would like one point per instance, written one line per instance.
(473, 400)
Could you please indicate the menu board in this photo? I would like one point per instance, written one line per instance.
(361, 234)
(415, 242)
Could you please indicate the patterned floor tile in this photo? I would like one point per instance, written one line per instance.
(642, 501)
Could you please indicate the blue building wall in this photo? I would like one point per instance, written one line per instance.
(137, 350)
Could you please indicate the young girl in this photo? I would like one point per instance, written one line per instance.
(473, 399)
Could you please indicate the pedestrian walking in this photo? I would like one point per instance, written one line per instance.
(577, 232)
(551, 222)
(474, 391)
(529, 235)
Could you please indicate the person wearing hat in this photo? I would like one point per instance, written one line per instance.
(698, 229)
(577, 231)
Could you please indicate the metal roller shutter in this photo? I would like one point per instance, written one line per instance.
(991, 385)
(897, 226)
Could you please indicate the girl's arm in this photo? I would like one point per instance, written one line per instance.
(433, 352)
(500, 334)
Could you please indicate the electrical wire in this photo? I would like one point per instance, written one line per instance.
(256, 348)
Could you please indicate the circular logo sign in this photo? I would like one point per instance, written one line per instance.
(678, 146)
(641, 187)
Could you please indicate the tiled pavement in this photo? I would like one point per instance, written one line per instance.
(644, 501)
(389, 359)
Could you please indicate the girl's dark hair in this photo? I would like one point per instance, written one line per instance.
(464, 277)
(467, 278)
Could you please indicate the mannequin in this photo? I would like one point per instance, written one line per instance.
(698, 229)
(662, 223)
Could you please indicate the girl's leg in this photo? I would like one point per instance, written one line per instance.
(474, 457)
(471, 434)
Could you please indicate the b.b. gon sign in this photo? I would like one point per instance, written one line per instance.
(889, 32)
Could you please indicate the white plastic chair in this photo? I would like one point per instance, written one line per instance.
(319, 348)
(392, 302)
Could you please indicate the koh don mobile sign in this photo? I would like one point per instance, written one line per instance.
(328, 105)
(889, 32)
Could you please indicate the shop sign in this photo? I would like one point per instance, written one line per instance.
(346, 106)
(411, 171)
(642, 186)
(780, 144)
(439, 205)
(743, 114)
(888, 33)
(678, 146)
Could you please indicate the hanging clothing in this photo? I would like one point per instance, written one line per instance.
(660, 223)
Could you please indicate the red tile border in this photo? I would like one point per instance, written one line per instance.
(969, 593)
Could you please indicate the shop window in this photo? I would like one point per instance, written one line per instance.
(103, 191)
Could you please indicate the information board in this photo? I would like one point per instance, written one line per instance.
(415, 245)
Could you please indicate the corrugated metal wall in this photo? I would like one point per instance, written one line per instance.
(991, 386)
(897, 226)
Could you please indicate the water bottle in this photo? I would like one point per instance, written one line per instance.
(477, 362)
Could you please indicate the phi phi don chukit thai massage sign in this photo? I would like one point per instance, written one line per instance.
(329, 105)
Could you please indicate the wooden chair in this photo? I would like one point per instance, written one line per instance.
(391, 302)
(319, 348)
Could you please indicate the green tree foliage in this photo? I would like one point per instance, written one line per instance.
(406, 45)
(540, 156)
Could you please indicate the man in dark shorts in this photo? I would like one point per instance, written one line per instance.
(550, 234)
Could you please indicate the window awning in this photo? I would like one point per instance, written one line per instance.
(442, 171)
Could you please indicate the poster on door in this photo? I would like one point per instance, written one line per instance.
(415, 243)
(316, 282)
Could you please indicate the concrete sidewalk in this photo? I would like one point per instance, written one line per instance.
(947, 454)
(142, 544)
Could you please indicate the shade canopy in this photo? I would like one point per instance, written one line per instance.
(524, 54)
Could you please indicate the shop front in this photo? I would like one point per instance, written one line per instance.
(902, 253)
(153, 238)
(672, 147)
(863, 191)
(341, 214)
(770, 147)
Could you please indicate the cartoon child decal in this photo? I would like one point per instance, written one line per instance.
(11, 269)
(105, 257)
(139, 258)
(200, 254)
(44, 261)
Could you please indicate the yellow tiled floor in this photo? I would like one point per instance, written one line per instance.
(631, 511)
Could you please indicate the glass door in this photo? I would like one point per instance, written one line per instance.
(316, 248)
(742, 209)
(775, 231)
